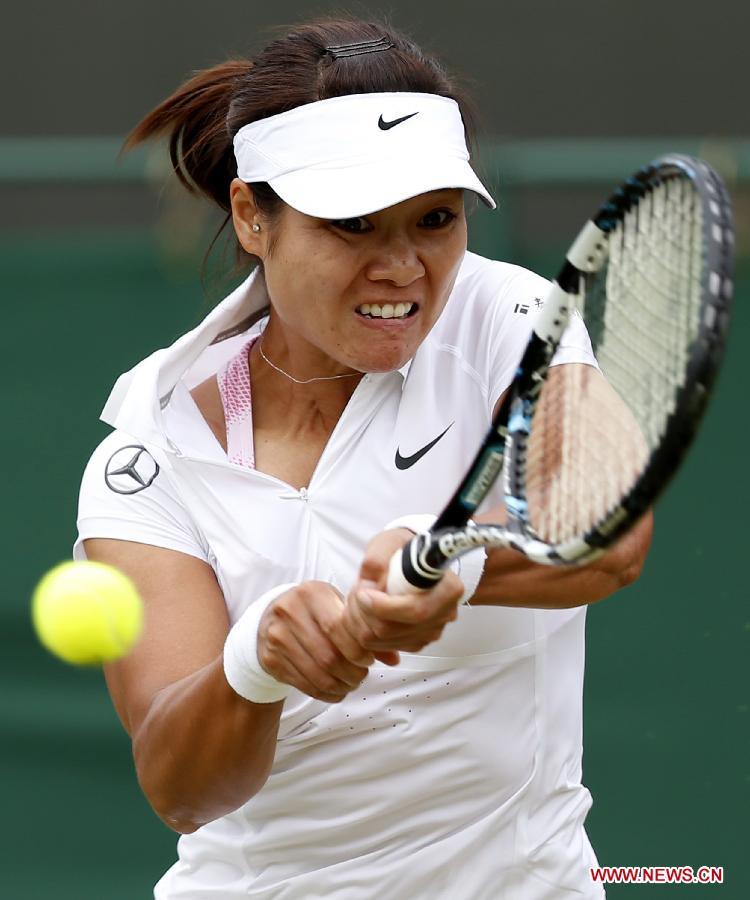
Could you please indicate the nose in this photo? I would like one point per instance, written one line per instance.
(398, 262)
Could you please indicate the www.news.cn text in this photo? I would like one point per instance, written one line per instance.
(657, 875)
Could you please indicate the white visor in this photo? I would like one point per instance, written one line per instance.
(354, 155)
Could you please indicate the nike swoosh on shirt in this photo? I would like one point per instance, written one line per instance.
(384, 126)
(406, 462)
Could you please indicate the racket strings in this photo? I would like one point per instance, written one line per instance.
(652, 303)
(592, 436)
(585, 451)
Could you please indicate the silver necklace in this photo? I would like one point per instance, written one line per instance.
(306, 380)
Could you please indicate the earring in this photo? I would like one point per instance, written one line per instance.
(256, 228)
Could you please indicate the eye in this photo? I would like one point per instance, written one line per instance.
(358, 225)
(438, 218)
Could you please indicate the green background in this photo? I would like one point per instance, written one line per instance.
(100, 264)
(667, 705)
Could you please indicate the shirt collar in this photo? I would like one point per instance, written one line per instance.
(404, 370)
(139, 395)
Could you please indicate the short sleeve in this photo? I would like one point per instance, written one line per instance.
(127, 495)
(518, 304)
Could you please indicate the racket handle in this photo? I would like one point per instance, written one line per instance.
(397, 583)
(403, 576)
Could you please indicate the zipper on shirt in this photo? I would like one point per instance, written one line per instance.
(301, 494)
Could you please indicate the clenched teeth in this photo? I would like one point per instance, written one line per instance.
(386, 310)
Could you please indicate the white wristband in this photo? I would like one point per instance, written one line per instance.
(242, 667)
(470, 570)
(469, 567)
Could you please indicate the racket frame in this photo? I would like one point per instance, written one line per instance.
(505, 447)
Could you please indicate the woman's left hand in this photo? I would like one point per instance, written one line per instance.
(381, 621)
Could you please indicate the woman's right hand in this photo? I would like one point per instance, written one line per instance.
(294, 644)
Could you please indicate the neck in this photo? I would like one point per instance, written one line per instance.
(300, 382)
(298, 361)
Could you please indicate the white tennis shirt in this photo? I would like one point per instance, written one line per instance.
(457, 774)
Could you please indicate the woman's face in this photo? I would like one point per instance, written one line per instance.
(331, 282)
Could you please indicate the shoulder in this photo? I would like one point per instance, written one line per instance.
(123, 464)
(487, 321)
(491, 302)
(491, 297)
(126, 493)
(491, 282)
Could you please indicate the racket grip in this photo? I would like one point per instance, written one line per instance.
(403, 577)
(397, 583)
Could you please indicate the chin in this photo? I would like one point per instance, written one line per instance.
(381, 363)
(379, 370)
(381, 355)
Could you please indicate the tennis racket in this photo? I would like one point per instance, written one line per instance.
(582, 453)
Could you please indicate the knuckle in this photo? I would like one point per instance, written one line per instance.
(283, 607)
(267, 661)
(421, 610)
(454, 587)
(272, 662)
(453, 614)
(378, 631)
(305, 592)
(420, 641)
(328, 658)
(275, 634)
(362, 660)
(329, 685)
(328, 625)
(447, 615)
(356, 674)
(324, 591)
(414, 646)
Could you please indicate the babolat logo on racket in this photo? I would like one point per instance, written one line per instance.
(130, 469)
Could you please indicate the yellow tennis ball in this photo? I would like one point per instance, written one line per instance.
(87, 613)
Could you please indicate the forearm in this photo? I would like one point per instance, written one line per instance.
(510, 579)
(202, 750)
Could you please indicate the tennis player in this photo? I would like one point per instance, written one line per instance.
(306, 733)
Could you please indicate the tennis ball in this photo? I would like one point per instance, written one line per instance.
(86, 613)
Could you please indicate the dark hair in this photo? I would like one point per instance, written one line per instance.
(202, 117)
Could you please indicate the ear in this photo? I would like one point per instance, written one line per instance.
(245, 214)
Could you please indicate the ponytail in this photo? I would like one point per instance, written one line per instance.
(195, 118)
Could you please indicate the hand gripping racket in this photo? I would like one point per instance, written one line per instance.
(584, 454)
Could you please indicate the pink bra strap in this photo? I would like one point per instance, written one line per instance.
(234, 387)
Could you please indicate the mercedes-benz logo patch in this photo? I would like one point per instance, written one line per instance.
(130, 469)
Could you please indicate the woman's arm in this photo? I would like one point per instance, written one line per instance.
(381, 622)
(201, 750)
(510, 579)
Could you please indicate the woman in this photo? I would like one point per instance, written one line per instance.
(308, 734)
